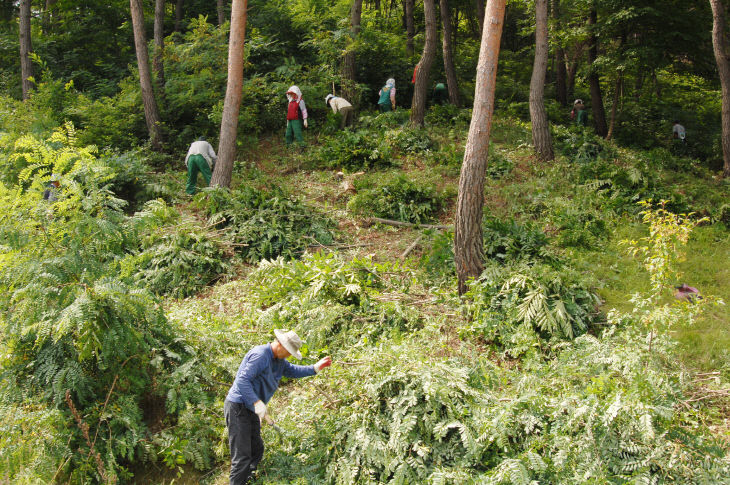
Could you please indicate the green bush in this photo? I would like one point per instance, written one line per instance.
(506, 241)
(265, 224)
(410, 140)
(448, 115)
(354, 151)
(398, 198)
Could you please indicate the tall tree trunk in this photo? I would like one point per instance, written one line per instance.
(599, 112)
(538, 114)
(159, 33)
(48, 15)
(232, 103)
(178, 15)
(26, 66)
(420, 91)
(480, 16)
(348, 61)
(221, 8)
(561, 88)
(410, 29)
(448, 56)
(468, 244)
(151, 113)
(719, 44)
(614, 106)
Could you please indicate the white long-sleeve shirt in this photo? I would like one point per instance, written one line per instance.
(337, 103)
(203, 148)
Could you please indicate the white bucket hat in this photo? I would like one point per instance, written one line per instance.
(290, 340)
(327, 99)
(578, 101)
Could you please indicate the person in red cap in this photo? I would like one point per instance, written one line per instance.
(256, 381)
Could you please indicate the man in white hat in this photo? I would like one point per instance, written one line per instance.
(342, 106)
(256, 381)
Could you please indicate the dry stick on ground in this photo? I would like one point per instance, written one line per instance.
(390, 222)
(411, 247)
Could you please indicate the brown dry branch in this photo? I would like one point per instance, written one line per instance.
(85, 432)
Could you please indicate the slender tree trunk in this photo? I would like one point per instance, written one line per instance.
(480, 16)
(538, 114)
(410, 28)
(614, 106)
(232, 103)
(446, 34)
(561, 88)
(420, 91)
(26, 66)
(599, 112)
(49, 15)
(719, 44)
(348, 61)
(468, 244)
(151, 113)
(160, 46)
(178, 15)
(221, 9)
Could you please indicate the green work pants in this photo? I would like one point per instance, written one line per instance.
(384, 108)
(347, 116)
(197, 163)
(294, 130)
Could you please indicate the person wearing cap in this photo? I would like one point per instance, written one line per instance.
(256, 381)
(678, 131)
(296, 116)
(51, 192)
(579, 113)
(386, 100)
(440, 94)
(200, 159)
(342, 106)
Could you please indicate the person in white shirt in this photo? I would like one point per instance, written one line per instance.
(342, 106)
(679, 132)
(200, 159)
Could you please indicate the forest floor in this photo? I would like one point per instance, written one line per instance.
(703, 347)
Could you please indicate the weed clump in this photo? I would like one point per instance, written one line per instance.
(353, 151)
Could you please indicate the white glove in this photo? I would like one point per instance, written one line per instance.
(260, 409)
(326, 362)
(305, 123)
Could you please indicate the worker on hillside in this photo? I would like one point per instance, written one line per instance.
(256, 381)
(200, 158)
(342, 106)
(386, 101)
(579, 113)
(440, 94)
(51, 192)
(678, 132)
(296, 116)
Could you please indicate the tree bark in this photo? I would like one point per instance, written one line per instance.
(151, 113)
(232, 104)
(159, 34)
(221, 9)
(349, 76)
(410, 29)
(480, 16)
(614, 106)
(48, 15)
(561, 88)
(538, 114)
(446, 34)
(468, 244)
(719, 45)
(599, 112)
(420, 91)
(26, 66)
(178, 15)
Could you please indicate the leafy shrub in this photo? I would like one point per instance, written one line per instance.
(410, 140)
(398, 198)
(447, 115)
(265, 225)
(520, 305)
(509, 241)
(379, 122)
(498, 164)
(353, 151)
(177, 260)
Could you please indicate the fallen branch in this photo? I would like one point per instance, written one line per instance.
(411, 247)
(390, 222)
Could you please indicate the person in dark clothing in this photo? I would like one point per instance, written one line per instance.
(440, 94)
(256, 381)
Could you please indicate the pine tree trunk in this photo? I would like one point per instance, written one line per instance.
(178, 15)
(561, 88)
(349, 75)
(420, 91)
(719, 44)
(599, 112)
(410, 29)
(151, 113)
(221, 9)
(232, 104)
(468, 244)
(26, 66)
(159, 33)
(614, 106)
(538, 114)
(446, 35)
(480, 16)
(49, 15)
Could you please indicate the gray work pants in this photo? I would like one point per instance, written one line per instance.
(244, 440)
(348, 116)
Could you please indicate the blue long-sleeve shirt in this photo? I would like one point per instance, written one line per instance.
(259, 374)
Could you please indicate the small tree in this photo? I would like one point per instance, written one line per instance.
(719, 43)
(420, 91)
(538, 114)
(26, 66)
